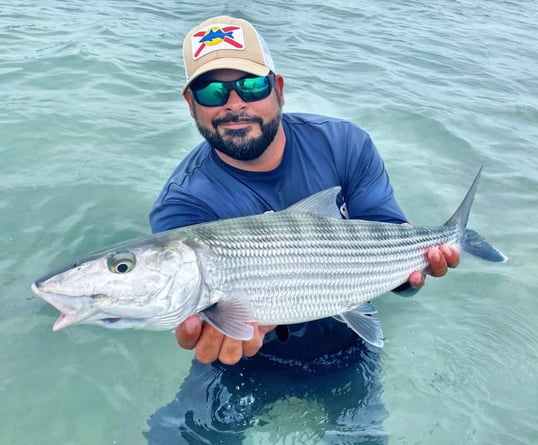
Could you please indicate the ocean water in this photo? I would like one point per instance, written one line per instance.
(92, 123)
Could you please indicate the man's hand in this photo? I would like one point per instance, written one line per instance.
(212, 345)
(440, 258)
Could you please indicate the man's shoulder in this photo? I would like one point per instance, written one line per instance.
(328, 134)
(191, 178)
(312, 125)
(197, 158)
(308, 118)
(314, 119)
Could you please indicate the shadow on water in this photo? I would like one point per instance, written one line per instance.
(334, 399)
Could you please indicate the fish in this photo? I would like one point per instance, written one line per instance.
(303, 263)
(217, 34)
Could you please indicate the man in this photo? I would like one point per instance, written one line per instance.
(256, 159)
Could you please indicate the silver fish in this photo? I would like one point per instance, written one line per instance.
(296, 265)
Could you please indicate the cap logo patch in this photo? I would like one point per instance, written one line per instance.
(217, 37)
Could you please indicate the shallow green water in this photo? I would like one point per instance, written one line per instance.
(92, 123)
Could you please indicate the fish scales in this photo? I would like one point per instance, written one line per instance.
(286, 265)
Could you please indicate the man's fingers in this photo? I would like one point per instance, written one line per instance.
(451, 255)
(416, 279)
(209, 344)
(441, 258)
(251, 347)
(231, 351)
(438, 265)
(188, 332)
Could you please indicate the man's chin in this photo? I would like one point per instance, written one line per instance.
(236, 135)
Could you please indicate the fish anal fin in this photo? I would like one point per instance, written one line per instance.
(364, 324)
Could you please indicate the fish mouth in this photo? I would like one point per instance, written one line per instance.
(81, 309)
(64, 320)
(73, 309)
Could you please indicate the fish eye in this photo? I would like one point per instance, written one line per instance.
(121, 262)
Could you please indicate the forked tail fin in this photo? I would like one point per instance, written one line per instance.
(473, 242)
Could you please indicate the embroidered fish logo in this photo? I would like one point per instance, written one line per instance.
(217, 34)
(231, 37)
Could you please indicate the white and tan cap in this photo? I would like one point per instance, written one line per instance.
(225, 43)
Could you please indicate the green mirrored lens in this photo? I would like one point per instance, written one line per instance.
(254, 88)
(214, 94)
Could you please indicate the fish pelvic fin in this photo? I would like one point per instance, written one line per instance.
(473, 242)
(231, 317)
(364, 324)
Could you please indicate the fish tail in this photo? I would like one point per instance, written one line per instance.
(472, 241)
(477, 245)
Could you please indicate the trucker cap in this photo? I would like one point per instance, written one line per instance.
(225, 43)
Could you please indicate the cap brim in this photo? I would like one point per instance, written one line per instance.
(230, 64)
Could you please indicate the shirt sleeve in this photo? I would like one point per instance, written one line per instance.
(175, 208)
(367, 189)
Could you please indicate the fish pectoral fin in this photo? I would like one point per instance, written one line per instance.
(364, 324)
(231, 317)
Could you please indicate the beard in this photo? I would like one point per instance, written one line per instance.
(236, 143)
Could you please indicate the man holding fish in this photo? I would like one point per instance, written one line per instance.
(256, 159)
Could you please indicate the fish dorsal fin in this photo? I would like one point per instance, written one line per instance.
(231, 316)
(321, 203)
(364, 324)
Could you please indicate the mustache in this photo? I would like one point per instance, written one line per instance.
(235, 117)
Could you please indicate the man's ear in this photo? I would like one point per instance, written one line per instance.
(190, 102)
(279, 85)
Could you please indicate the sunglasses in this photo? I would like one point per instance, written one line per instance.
(249, 89)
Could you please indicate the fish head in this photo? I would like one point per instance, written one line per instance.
(149, 285)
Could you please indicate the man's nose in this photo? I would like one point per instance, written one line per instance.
(234, 101)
